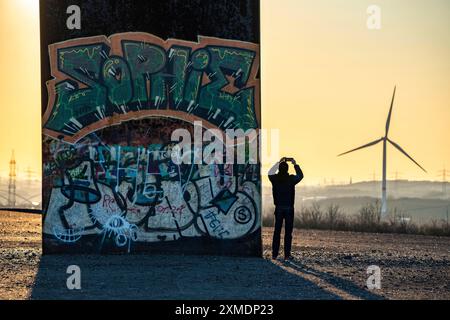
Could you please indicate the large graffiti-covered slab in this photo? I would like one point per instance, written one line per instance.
(110, 181)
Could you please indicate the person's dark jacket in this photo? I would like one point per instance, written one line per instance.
(283, 187)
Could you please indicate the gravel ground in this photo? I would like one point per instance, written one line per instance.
(327, 265)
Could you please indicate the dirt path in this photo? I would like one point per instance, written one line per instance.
(327, 265)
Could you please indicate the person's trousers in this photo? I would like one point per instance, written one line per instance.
(285, 214)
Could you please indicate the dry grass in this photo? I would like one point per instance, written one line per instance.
(368, 219)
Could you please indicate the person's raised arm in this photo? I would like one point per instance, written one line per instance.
(298, 173)
(274, 169)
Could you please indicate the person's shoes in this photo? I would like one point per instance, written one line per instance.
(290, 258)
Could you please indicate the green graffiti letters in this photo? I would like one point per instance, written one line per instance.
(99, 82)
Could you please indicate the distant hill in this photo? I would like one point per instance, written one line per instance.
(423, 201)
(396, 189)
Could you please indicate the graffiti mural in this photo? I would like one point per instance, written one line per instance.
(100, 82)
(110, 184)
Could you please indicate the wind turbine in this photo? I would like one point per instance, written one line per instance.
(385, 140)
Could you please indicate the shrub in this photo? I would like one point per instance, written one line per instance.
(369, 217)
(334, 218)
(311, 217)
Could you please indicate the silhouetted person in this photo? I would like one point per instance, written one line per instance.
(283, 188)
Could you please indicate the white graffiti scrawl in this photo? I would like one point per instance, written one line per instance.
(124, 195)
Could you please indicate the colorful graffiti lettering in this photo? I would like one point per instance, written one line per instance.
(131, 194)
(99, 82)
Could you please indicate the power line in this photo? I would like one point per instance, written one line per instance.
(12, 182)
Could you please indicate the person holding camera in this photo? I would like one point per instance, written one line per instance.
(283, 190)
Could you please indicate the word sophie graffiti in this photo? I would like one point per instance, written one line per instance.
(110, 184)
(99, 82)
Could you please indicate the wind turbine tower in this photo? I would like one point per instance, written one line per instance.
(385, 139)
(444, 173)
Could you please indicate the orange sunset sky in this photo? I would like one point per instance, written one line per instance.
(327, 81)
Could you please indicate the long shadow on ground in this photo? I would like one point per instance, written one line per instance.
(338, 282)
(172, 277)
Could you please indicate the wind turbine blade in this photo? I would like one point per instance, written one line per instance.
(404, 152)
(362, 147)
(388, 122)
